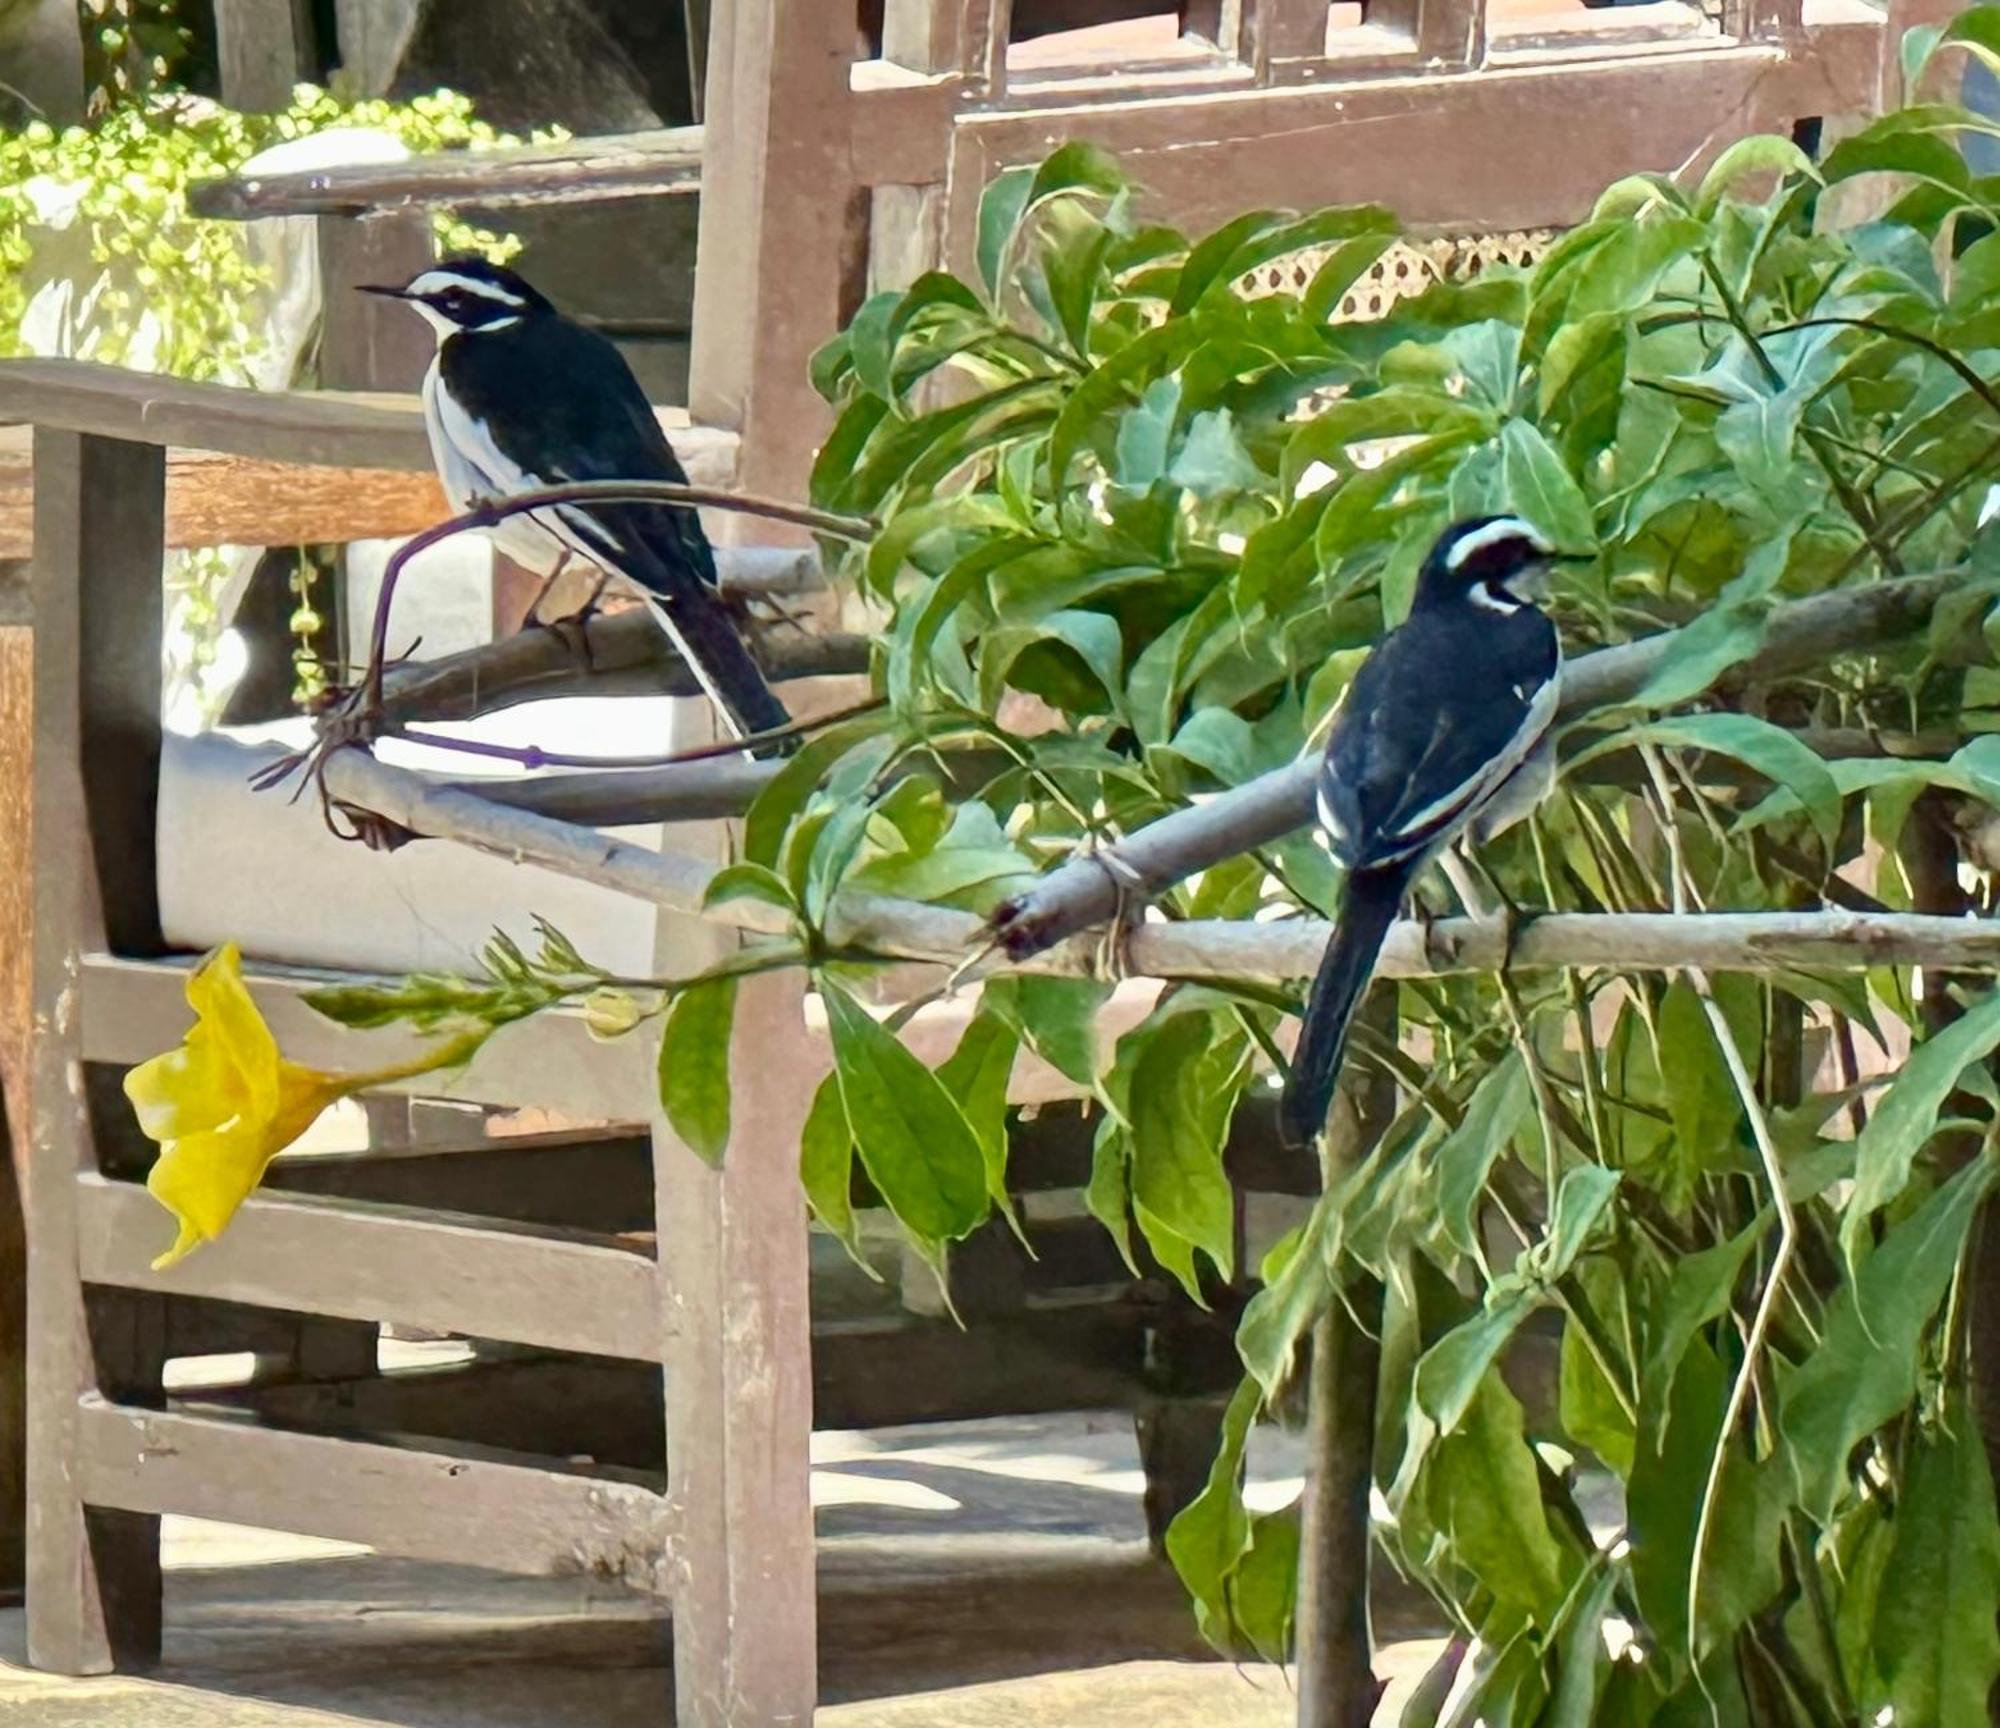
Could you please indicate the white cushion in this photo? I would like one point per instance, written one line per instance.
(261, 869)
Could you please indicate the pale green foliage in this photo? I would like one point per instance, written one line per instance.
(1176, 516)
(195, 282)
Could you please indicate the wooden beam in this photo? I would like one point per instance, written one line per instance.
(444, 1272)
(1512, 147)
(462, 1510)
(93, 1578)
(653, 164)
(314, 428)
(131, 1010)
(243, 501)
(252, 500)
(739, 1378)
(1075, 1352)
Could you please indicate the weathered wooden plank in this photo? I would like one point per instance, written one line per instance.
(13, 1344)
(739, 1381)
(130, 1010)
(367, 342)
(262, 49)
(462, 1509)
(621, 165)
(783, 231)
(217, 500)
(93, 1581)
(243, 501)
(599, 1181)
(1079, 1352)
(1425, 146)
(317, 428)
(359, 1261)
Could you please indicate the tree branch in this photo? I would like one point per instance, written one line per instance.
(621, 654)
(1086, 891)
(1243, 951)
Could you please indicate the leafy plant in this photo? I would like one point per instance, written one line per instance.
(174, 292)
(1139, 527)
(1174, 515)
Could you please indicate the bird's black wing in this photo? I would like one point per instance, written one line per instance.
(1447, 706)
(558, 403)
(551, 402)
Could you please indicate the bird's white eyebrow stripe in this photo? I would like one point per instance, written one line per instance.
(437, 281)
(1493, 534)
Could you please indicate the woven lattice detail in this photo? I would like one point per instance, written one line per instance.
(1408, 267)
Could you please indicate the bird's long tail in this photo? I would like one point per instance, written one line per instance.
(1367, 909)
(705, 636)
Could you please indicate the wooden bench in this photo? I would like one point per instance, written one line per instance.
(629, 1303)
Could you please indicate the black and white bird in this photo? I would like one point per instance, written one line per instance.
(520, 397)
(1444, 734)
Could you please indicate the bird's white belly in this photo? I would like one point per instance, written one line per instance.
(465, 484)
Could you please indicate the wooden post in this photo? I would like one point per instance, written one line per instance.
(263, 48)
(17, 751)
(1337, 1685)
(366, 342)
(93, 1579)
(739, 1383)
(781, 229)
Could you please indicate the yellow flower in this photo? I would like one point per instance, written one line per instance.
(225, 1103)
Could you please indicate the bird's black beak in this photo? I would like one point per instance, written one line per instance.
(386, 293)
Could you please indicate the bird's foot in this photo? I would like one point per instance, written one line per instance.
(1128, 890)
(1437, 951)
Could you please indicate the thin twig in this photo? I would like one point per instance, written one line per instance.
(1774, 1175)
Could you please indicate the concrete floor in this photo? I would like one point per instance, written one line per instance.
(974, 1576)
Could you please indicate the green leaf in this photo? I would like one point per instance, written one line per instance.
(1183, 1090)
(1453, 1369)
(1056, 1018)
(1778, 755)
(1762, 154)
(1741, 1560)
(1212, 461)
(1728, 633)
(918, 1149)
(1001, 207)
(1865, 1369)
(694, 1065)
(1210, 1537)
(1697, 1293)
(1145, 434)
(976, 1074)
(1208, 263)
(1934, 1631)
(1109, 1195)
(1298, 1284)
(826, 1167)
(1466, 1156)
(1589, 1407)
(1542, 490)
(1905, 1116)
(1702, 1100)
(1580, 1669)
(1580, 1202)
(1263, 1592)
(1484, 1495)
(747, 882)
(786, 794)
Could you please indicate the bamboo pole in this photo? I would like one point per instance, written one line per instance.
(1247, 952)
